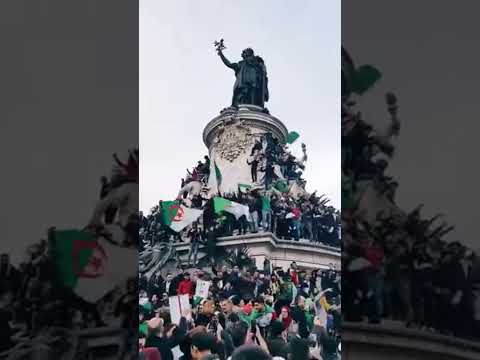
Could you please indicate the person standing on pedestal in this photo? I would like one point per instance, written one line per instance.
(195, 236)
(266, 211)
(254, 160)
(253, 209)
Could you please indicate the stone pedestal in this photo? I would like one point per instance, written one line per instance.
(281, 253)
(230, 138)
(387, 341)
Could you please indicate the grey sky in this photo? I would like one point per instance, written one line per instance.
(428, 54)
(183, 83)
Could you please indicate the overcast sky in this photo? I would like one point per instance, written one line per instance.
(429, 56)
(183, 84)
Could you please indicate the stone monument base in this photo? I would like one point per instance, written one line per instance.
(230, 138)
(264, 245)
(374, 342)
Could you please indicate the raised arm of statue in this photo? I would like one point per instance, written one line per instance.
(226, 61)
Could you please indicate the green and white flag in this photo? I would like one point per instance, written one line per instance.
(90, 265)
(220, 204)
(215, 177)
(178, 216)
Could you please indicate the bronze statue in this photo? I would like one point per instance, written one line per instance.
(251, 85)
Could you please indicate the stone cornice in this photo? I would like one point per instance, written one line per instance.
(250, 117)
(392, 339)
(274, 242)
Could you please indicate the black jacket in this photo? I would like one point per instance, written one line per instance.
(165, 345)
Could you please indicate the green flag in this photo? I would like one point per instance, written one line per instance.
(147, 307)
(281, 185)
(219, 204)
(169, 210)
(292, 136)
(197, 300)
(143, 328)
(365, 77)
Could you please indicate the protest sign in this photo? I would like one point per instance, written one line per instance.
(201, 289)
(178, 304)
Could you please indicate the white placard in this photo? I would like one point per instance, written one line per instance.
(178, 304)
(201, 290)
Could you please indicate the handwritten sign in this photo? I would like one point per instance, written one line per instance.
(201, 289)
(178, 304)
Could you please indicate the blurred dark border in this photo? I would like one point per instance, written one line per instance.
(69, 100)
(409, 80)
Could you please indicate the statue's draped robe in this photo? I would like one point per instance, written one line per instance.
(251, 82)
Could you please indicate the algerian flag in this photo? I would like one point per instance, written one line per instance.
(215, 177)
(178, 216)
(169, 209)
(292, 136)
(89, 265)
(220, 204)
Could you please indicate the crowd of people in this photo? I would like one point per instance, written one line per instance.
(38, 312)
(282, 207)
(274, 313)
(287, 218)
(276, 197)
(396, 264)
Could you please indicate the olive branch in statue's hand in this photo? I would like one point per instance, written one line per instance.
(219, 46)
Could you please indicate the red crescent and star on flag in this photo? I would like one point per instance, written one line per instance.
(176, 212)
(96, 263)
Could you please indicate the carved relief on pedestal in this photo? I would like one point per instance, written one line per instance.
(233, 139)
